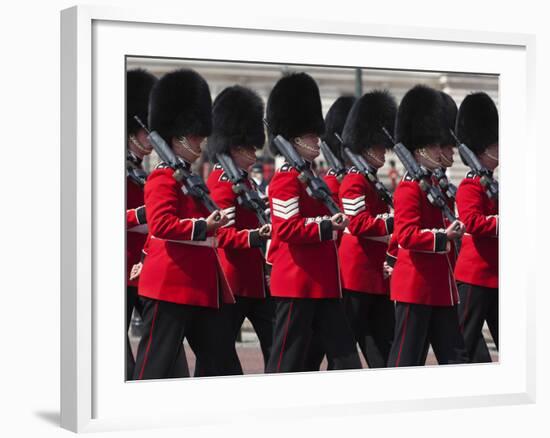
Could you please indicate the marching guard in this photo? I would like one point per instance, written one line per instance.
(238, 130)
(422, 282)
(477, 264)
(365, 241)
(182, 285)
(334, 124)
(138, 87)
(305, 283)
(447, 159)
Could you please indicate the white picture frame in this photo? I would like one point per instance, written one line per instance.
(94, 43)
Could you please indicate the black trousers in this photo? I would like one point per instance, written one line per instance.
(372, 320)
(165, 327)
(481, 348)
(295, 321)
(477, 305)
(226, 343)
(260, 313)
(132, 302)
(315, 354)
(416, 325)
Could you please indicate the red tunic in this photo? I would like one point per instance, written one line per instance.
(238, 241)
(423, 272)
(478, 259)
(302, 252)
(363, 248)
(393, 248)
(136, 231)
(182, 265)
(333, 184)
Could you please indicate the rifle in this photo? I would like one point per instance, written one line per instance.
(332, 160)
(193, 184)
(246, 197)
(446, 186)
(366, 169)
(485, 178)
(316, 187)
(134, 170)
(434, 194)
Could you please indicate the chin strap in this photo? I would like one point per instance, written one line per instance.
(374, 158)
(244, 153)
(424, 155)
(492, 157)
(185, 144)
(138, 145)
(301, 143)
(445, 161)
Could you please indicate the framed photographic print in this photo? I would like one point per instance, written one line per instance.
(101, 46)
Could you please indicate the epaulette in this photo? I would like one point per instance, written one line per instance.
(353, 169)
(408, 177)
(285, 168)
(471, 174)
(331, 172)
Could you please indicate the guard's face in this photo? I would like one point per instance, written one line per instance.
(243, 156)
(257, 175)
(429, 156)
(307, 146)
(376, 156)
(139, 144)
(189, 148)
(447, 155)
(489, 158)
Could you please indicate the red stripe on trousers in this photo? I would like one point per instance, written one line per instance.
(284, 339)
(403, 335)
(149, 342)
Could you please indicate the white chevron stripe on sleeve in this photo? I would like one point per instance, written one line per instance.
(354, 201)
(355, 206)
(284, 214)
(352, 212)
(285, 203)
(286, 209)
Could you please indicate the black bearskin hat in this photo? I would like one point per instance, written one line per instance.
(420, 118)
(369, 114)
(181, 105)
(335, 121)
(294, 107)
(477, 122)
(139, 83)
(449, 119)
(237, 120)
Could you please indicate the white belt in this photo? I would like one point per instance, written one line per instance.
(210, 242)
